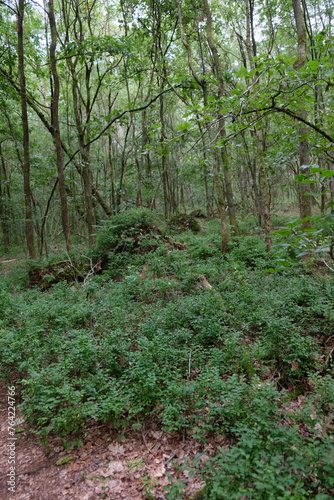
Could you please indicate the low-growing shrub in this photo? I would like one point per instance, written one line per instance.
(272, 462)
(132, 231)
(248, 249)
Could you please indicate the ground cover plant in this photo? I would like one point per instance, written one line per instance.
(242, 352)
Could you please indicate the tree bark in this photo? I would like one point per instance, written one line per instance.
(85, 167)
(221, 119)
(218, 186)
(4, 204)
(265, 192)
(305, 201)
(56, 127)
(29, 228)
(301, 34)
(259, 132)
(164, 160)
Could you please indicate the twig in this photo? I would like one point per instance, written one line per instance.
(173, 454)
(329, 267)
(144, 439)
(30, 471)
(92, 271)
(186, 390)
(189, 365)
(76, 271)
(329, 355)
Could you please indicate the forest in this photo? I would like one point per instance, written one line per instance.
(167, 242)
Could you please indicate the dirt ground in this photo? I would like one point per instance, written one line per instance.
(128, 466)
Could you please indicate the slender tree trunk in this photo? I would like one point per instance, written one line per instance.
(139, 195)
(221, 204)
(164, 160)
(123, 168)
(331, 188)
(111, 163)
(221, 119)
(87, 176)
(305, 201)
(220, 189)
(112, 175)
(4, 204)
(208, 200)
(218, 186)
(145, 151)
(56, 128)
(85, 167)
(29, 228)
(259, 132)
(265, 192)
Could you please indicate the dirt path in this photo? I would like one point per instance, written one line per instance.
(106, 465)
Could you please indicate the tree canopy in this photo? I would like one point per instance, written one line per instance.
(167, 105)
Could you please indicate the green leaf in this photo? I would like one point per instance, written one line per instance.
(282, 232)
(323, 171)
(184, 126)
(242, 72)
(63, 461)
(313, 65)
(137, 426)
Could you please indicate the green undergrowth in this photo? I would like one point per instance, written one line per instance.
(146, 340)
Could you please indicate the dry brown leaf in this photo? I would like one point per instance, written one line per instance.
(294, 365)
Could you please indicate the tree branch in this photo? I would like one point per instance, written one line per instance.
(303, 120)
(287, 111)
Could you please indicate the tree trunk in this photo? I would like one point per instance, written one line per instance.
(85, 167)
(120, 188)
(218, 187)
(29, 228)
(164, 160)
(259, 132)
(112, 175)
(221, 119)
(56, 128)
(305, 201)
(265, 193)
(4, 204)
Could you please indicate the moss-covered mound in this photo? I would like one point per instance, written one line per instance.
(134, 231)
(47, 274)
(184, 222)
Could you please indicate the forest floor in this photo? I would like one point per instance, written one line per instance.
(180, 339)
(128, 466)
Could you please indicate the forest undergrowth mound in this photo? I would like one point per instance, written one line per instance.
(133, 232)
(249, 357)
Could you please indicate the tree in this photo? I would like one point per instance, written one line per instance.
(29, 228)
(217, 70)
(56, 125)
(4, 202)
(304, 157)
(202, 82)
(169, 105)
